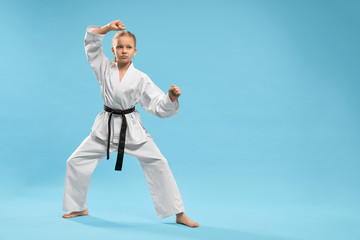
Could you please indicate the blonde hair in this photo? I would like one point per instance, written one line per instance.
(121, 34)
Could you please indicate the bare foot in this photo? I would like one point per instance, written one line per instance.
(181, 218)
(74, 214)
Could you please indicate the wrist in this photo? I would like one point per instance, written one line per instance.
(173, 98)
(106, 28)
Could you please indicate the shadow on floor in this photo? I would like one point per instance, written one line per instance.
(171, 229)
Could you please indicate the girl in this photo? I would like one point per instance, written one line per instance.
(118, 127)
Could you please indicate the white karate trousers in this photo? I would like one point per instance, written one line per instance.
(81, 164)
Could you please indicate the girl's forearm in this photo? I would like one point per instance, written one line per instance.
(103, 30)
(116, 25)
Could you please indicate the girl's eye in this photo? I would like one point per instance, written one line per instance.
(129, 47)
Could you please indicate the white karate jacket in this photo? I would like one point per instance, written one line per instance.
(135, 87)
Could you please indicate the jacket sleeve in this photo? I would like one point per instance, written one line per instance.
(95, 54)
(156, 102)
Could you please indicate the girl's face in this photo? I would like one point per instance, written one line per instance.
(124, 49)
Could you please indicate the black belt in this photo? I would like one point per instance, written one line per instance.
(121, 147)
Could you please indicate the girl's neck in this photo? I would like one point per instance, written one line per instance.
(123, 66)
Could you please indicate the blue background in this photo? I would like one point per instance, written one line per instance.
(266, 143)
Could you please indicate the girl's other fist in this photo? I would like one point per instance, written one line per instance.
(174, 93)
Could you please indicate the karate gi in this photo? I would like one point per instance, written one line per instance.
(135, 87)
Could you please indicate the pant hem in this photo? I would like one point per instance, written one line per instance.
(161, 216)
(67, 210)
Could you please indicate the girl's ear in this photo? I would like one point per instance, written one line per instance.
(112, 50)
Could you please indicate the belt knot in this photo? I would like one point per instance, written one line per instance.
(121, 147)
